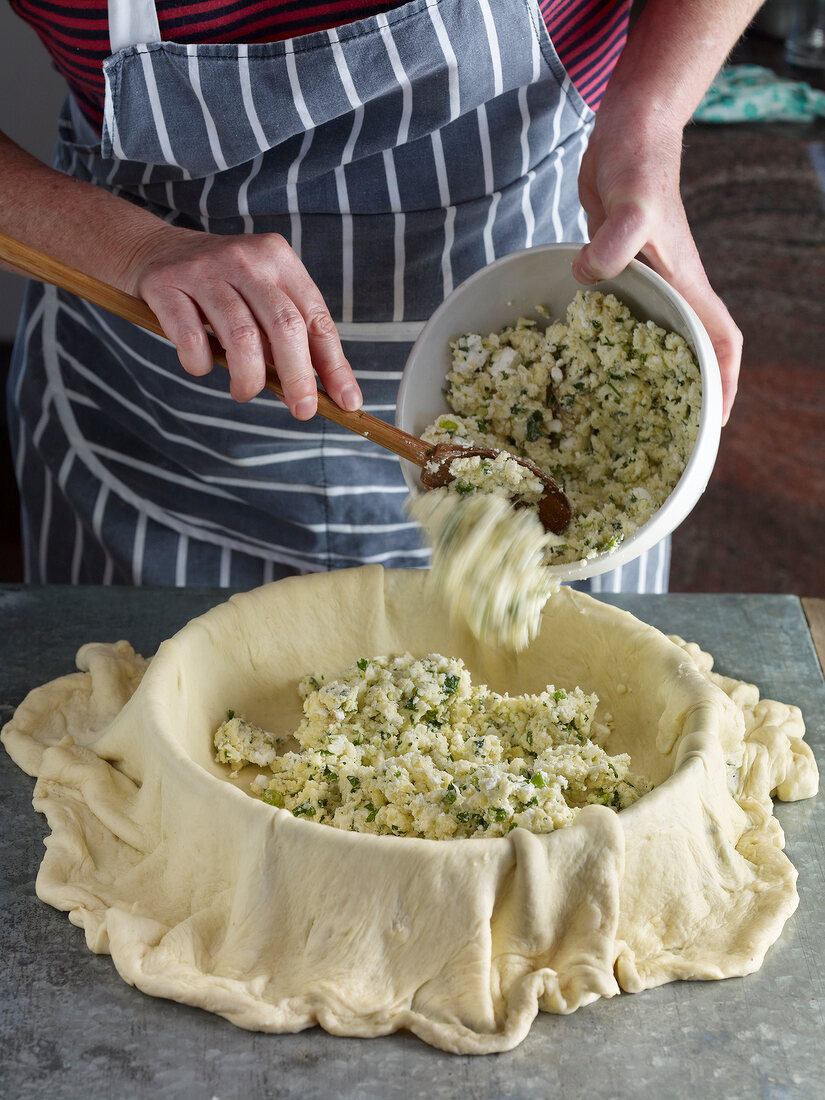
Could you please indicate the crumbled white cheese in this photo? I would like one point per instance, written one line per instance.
(503, 474)
(238, 742)
(504, 359)
(418, 750)
(488, 563)
(607, 405)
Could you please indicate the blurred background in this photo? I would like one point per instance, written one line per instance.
(755, 196)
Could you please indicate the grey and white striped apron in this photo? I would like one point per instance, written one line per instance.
(397, 155)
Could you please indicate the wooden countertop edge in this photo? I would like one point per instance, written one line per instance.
(814, 608)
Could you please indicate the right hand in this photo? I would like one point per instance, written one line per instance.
(259, 301)
(629, 188)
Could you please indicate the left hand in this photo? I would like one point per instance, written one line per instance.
(629, 188)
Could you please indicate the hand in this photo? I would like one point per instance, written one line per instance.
(629, 188)
(261, 304)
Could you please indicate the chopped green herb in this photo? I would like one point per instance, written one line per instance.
(451, 682)
(535, 426)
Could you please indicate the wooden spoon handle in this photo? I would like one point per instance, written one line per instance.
(49, 270)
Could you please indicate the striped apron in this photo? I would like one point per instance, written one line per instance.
(397, 155)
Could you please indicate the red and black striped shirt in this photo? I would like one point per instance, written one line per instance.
(588, 34)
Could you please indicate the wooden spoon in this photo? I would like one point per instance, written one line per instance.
(554, 507)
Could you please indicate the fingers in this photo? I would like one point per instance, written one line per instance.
(304, 339)
(674, 256)
(239, 334)
(181, 321)
(690, 280)
(727, 342)
(329, 359)
(261, 304)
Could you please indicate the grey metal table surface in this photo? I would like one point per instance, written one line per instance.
(70, 1027)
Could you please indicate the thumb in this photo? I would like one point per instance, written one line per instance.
(620, 237)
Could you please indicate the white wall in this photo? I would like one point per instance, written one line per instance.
(31, 93)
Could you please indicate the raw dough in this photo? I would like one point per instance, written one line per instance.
(209, 897)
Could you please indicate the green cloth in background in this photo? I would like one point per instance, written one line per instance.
(751, 93)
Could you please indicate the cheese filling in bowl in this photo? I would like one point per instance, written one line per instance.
(608, 405)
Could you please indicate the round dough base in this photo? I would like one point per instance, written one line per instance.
(207, 896)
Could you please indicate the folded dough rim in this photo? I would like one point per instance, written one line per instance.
(207, 896)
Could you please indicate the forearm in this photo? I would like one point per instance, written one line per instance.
(671, 57)
(629, 179)
(252, 289)
(73, 221)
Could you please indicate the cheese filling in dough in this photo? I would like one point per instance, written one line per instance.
(409, 746)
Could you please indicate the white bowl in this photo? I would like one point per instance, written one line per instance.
(512, 287)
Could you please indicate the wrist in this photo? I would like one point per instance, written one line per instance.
(643, 126)
(138, 246)
(649, 100)
(74, 221)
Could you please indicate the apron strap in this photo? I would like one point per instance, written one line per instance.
(131, 22)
